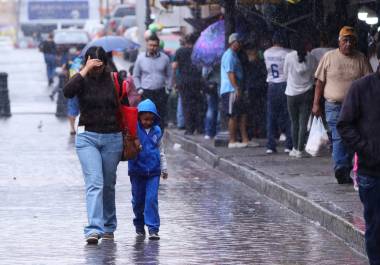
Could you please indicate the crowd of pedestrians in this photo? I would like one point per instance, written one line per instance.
(261, 94)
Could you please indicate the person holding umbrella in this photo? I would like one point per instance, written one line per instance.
(151, 74)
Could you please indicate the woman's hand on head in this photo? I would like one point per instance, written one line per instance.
(90, 64)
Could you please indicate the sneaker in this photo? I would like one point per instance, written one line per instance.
(207, 137)
(253, 144)
(287, 150)
(293, 153)
(237, 145)
(241, 145)
(232, 145)
(300, 154)
(154, 236)
(108, 236)
(92, 239)
(270, 151)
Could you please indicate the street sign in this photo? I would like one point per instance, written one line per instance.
(58, 10)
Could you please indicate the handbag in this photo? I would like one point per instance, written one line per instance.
(127, 117)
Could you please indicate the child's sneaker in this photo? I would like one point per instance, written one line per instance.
(154, 236)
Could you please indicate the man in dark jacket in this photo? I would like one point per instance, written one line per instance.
(359, 127)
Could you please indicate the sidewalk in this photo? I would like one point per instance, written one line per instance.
(307, 186)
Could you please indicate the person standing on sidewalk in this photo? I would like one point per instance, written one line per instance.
(145, 171)
(188, 84)
(359, 126)
(335, 73)
(299, 69)
(49, 49)
(151, 74)
(211, 77)
(277, 111)
(99, 141)
(231, 91)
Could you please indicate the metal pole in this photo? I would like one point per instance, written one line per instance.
(107, 8)
(148, 12)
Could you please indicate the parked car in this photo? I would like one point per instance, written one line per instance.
(6, 43)
(26, 43)
(126, 12)
(68, 38)
(94, 29)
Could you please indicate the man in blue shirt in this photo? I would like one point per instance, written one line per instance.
(231, 92)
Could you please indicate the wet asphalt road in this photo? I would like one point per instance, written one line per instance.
(207, 217)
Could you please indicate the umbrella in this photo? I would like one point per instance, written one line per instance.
(111, 43)
(209, 48)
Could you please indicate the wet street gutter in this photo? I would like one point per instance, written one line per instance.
(271, 186)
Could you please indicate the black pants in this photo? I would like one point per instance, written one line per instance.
(299, 108)
(160, 99)
(192, 106)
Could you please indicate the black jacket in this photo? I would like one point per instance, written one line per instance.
(97, 102)
(359, 123)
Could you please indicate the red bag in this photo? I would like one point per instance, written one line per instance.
(128, 122)
(128, 114)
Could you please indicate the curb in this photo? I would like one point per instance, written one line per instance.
(280, 192)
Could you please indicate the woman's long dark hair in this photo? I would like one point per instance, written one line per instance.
(298, 44)
(96, 53)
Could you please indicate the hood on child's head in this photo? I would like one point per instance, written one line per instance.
(148, 106)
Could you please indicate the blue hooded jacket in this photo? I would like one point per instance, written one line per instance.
(147, 162)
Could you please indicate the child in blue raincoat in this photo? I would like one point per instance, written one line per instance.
(145, 171)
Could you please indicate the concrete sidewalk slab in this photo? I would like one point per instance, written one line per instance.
(307, 185)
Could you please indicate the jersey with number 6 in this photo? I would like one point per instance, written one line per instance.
(274, 60)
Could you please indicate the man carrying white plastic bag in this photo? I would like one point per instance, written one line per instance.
(317, 137)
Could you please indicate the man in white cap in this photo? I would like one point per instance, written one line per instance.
(231, 93)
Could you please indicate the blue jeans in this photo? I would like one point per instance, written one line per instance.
(145, 202)
(50, 65)
(180, 116)
(99, 155)
(341, 155)
(211, 114)
(369, 192)
(277, 115)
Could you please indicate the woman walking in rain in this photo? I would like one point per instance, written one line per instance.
(98, 142)
(299, 69)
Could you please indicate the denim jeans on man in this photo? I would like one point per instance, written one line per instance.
(277, 115)
(341, 155)
(369, 192)
(180, 116)
(99, 155)
(145, 192)
(50, 60)
(211, 114)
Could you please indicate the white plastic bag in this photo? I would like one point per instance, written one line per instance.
(317, 137)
